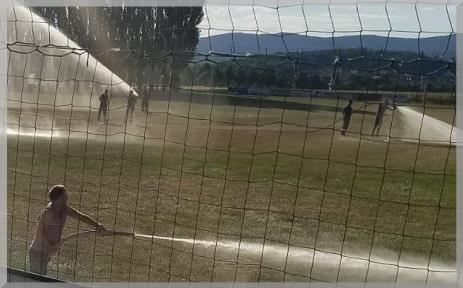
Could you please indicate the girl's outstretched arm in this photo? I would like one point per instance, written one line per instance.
(84, 218)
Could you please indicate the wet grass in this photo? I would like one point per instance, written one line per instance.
(251, 175)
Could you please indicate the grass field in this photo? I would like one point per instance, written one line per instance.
(270, 194)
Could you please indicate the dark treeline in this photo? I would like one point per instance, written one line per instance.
(132, 40)
(355, 70)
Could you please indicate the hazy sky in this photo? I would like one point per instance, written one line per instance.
(405, 20)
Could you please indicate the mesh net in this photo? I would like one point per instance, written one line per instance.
(235, 166)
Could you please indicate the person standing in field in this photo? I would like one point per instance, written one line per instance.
(145, 100)
(380, 115)
(104, 105)
(50, 226)
(131, 101)
(346, 115)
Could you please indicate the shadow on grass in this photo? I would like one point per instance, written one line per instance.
(255, 101)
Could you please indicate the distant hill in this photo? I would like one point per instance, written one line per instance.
(269, 43)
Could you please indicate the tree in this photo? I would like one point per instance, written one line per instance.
(242, 76)
(254, 78)
(220, 78)
(270, 78)
(314, 82)
(230, 75)
(205, 74)
(142, 34)
(302, 81)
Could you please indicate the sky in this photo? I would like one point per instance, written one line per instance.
(405, 20)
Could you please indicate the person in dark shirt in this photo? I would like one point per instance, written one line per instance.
(145, 100)
(131, 101)
(346, 115)
(104, 105)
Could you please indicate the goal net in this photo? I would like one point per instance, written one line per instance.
(241, 159)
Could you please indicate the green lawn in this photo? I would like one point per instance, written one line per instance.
(241, 173)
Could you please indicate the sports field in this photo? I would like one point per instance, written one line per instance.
(236, 191)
